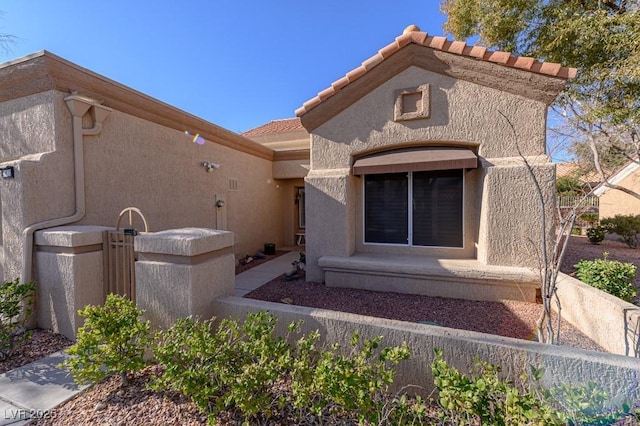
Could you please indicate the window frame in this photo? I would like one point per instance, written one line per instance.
(409, 243)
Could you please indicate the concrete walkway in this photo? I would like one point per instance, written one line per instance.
(34, 390)
(249, 280)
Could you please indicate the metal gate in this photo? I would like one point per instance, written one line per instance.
(120, 256)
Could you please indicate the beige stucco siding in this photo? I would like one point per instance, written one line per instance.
(134, 162)
(131, 162)
(461, 112)
(31, 129)
(502, 212)
(613, 202)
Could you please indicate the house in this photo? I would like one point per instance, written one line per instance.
(413, 173)
(616, 202)
(81, 148)
(418, 181)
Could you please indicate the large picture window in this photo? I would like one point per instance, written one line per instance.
(415, 208)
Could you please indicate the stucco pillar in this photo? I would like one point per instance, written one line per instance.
(511, 228)
(180, 272)
(330, 217)
(69, 275)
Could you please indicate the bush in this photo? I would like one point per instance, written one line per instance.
(596, 234)
(484, 398)
(16, 303)
(245, 367)
(590, 218)
(238, 365)
(627, 227)
(113, 340)
(611, 276)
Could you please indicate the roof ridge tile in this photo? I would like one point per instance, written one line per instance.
(412, 34)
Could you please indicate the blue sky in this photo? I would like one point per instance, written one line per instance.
(237, 64)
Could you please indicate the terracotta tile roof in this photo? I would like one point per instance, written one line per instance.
(576, 170)
(412, 34)
(275, 126)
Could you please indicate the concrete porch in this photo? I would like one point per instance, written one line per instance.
(454, 278)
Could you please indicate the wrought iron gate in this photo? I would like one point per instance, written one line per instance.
(120, 269)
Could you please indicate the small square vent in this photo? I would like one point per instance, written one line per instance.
(233, 184)
(412, 103)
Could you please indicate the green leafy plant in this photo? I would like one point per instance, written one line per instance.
(587, 404)
(113, 340)
(596, 234)
(245, 367)
(486, 397)
(16, 305)
(611, 276)
(590, 218)
(333, 383)
(626, 226)
(235, 366)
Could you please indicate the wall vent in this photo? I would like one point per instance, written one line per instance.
(233, 184)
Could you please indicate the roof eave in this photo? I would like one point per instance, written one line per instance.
(525, 76)
(43, 71)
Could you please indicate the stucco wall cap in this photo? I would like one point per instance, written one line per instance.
(184, 241)
(70, 236)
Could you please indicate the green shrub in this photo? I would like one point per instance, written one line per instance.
(596, 234)
(16, 303)
(245, 367)
(590, 218)
(611, 276)
(237, 366)
(627, 227)
(113, 340)
(357, 382)
(587, 404)
(487, 398)
(483, 397)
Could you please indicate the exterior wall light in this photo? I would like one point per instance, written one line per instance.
(220, 203)
(210, 166)
(7, 172)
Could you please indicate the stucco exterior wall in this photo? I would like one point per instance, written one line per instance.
(613, 202)
(462, 113)
(501, 208)
(131, 162)
(134, 162)
(32, 129)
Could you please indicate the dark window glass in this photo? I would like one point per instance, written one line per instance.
(386, 208)
(437, 208)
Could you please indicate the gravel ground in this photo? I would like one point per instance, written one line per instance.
(507, 318)
(106, 404)
(41, 344)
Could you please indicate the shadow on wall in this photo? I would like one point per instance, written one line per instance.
(369, 118)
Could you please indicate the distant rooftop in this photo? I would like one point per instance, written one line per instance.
(275, 126)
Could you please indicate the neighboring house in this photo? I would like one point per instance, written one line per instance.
(405, 175)
(585, 182)
(614, 201)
